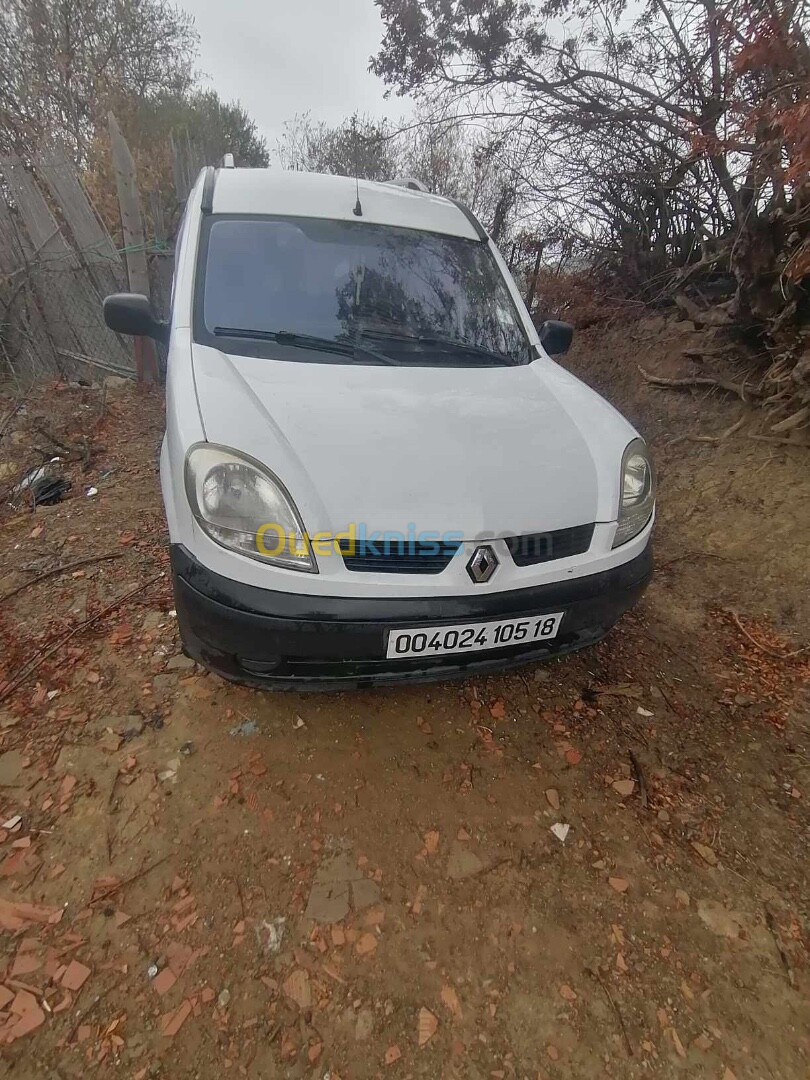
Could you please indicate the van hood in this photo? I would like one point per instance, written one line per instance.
(480, 452)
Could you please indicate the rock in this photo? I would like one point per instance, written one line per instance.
(338, 867)
(328, 901)
(130, 726)
(663, 815)
(181, 662)
(364, 1027)
(224, 998)
(366, 944)
(542, 675)
(164, 683)
(365, 892)
(297, 988)
(624, 788)
(79, 605)
(720, 920)
(463, 863)
(126, 726)
(117, 383)
(152, 620)
(110, 741)
(705, 852)
(84, 761)
(553, 798)
(10, 767)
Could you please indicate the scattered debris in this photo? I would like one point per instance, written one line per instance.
(450, 1001)
(560, 831)
(297, 988)
(392, 1054)
(705, 852)
(247, 727)
(624, 788)
(270, 935)
(426, 1027)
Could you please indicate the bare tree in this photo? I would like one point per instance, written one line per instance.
(435, 147)
(63, 63)
(358, 146)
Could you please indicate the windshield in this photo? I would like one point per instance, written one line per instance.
(410, 297)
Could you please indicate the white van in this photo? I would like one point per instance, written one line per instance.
(372, 469)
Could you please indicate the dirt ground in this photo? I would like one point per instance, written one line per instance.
(595, 867)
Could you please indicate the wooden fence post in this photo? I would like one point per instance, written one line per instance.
(134, 241)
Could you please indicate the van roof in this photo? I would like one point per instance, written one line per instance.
(300, 194)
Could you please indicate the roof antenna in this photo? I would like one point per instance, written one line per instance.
(358, 209)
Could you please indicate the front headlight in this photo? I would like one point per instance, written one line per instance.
(637, 500)
(242, 506)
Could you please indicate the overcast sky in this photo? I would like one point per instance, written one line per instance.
(282, 57)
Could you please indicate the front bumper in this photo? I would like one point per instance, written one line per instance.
(289, 641)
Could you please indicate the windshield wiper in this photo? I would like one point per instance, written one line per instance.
(305, 341)
(450, 343)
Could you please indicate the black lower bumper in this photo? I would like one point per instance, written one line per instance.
(289, 641)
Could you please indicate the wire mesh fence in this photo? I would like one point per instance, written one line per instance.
(57, 262)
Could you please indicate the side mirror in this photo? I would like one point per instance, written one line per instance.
(556, 337)
(131, 313)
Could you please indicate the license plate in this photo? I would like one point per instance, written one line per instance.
(472, 637)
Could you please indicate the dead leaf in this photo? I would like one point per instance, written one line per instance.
(450, 1001)
(620, 884)
(426, 1027)
(297, 988)
(462, 834)
(553, 797)
(366, 944)
(392, 1054)
(705, 852)
(624, 787)
(572, 756)
(679, 1047)
(567, 993)
(431, 841)
(497, 710)
(314, 1052)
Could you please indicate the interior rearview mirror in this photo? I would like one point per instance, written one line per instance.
(556, 336)
(131, 313)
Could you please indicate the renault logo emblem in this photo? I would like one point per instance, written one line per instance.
(482, 565)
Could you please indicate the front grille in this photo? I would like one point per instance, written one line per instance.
(397, 556)
(536, 548)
